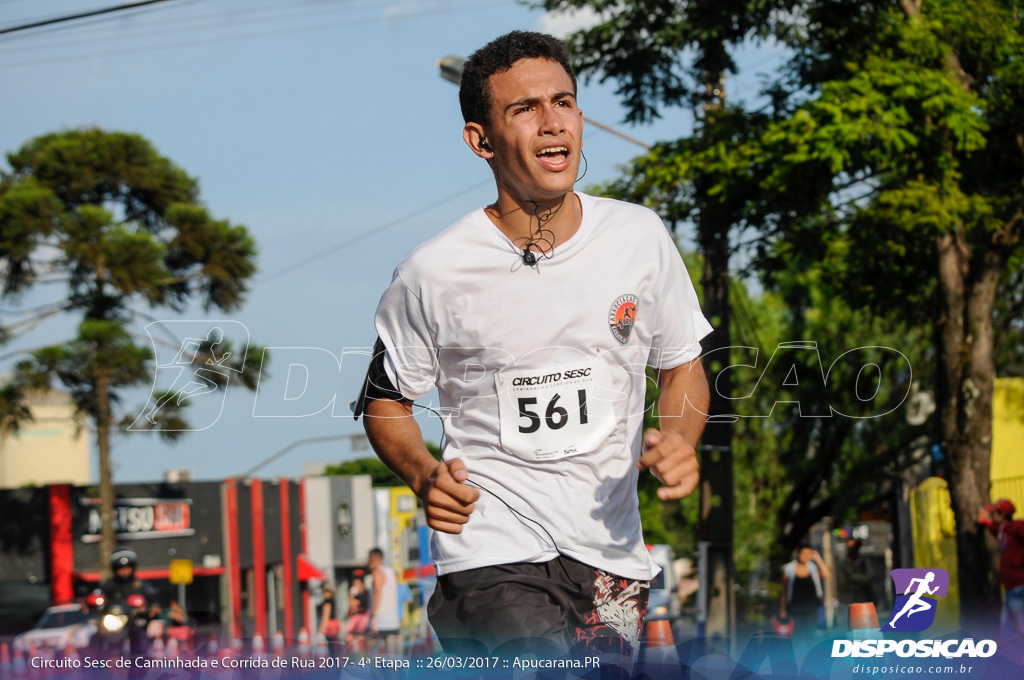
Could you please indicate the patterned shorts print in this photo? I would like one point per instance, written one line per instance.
(616, 621)
(552, 609)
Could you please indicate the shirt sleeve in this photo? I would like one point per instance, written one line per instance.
(1014, 527)
(680, 324)
(410, 358)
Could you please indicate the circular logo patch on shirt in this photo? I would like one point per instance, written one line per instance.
(621, 317)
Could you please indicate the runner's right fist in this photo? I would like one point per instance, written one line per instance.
(447, 499)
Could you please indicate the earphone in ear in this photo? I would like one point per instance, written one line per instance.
(485, 145)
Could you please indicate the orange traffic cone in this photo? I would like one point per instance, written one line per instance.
(659, 634)
(71, 656)
(18, 667)
(658, 646)
(278, 645)
(303, 644)
(5, 661)
(226, 654)
(33, 652)
(212, 647)
(257, 647)
(322, 650)
(862, 619)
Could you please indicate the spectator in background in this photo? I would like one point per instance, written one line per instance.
(998, 519)
(803, 589)
(854, 579)
(175, 614)
(178, 626)
(358, 613)
(330, 626)
(385, 621)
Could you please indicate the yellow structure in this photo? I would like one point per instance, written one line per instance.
(53, 448)
(935, 546)
(402, 532)
(1007, 473)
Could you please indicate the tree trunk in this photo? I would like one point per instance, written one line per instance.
(966, 383)
(106, 478)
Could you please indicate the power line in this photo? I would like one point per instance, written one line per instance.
(371, 232)
(83, 15)
(100, 22)
(375, 230)
(211, 20)
(259, 34)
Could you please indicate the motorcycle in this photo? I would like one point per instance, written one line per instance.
(120, 626)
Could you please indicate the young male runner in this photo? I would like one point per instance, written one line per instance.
(535, 318)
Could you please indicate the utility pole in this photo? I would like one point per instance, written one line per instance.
(717, 604)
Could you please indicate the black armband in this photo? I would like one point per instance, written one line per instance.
(377, 384)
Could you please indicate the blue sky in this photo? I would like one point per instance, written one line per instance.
(313, 123)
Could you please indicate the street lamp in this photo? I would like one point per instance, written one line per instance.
(357, 440)
(451, 70)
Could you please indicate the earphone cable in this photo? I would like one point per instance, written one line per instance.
(519, 515)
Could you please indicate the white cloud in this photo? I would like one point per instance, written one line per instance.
(397, 10)
(560, 24)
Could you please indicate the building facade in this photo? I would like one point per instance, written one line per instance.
(258, 549)
(52, 448)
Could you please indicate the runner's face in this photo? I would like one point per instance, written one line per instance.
(536, 130)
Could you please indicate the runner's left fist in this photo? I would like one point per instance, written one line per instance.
(673, 461)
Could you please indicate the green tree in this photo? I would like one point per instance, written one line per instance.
(914, 133)
(123, 227)
(380, 475)
(797, 459)
(891, 149)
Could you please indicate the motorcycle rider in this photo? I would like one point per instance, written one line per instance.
(120, 588)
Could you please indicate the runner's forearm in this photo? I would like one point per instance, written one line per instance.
(396, 438)
(683, 404)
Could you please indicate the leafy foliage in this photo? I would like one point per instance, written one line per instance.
(884, 168)
(380, 474)
(122, 226)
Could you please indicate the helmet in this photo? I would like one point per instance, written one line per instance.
(123, 557)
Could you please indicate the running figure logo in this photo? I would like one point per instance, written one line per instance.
(197, 372)
(914, 610)
(622, 316)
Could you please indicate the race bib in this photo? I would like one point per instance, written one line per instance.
(553, 413)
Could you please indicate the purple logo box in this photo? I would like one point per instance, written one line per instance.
(916, 590)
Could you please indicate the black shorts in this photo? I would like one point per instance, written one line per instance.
(552, 609)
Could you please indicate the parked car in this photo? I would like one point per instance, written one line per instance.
(663, 604)
(59, 626)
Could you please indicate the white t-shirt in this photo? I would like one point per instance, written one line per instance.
(387, 615)
(540, 374)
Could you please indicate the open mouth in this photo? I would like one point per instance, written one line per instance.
(554, 157)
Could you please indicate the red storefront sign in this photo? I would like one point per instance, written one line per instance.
(140, 518)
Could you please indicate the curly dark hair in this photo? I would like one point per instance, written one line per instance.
(499, 55)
